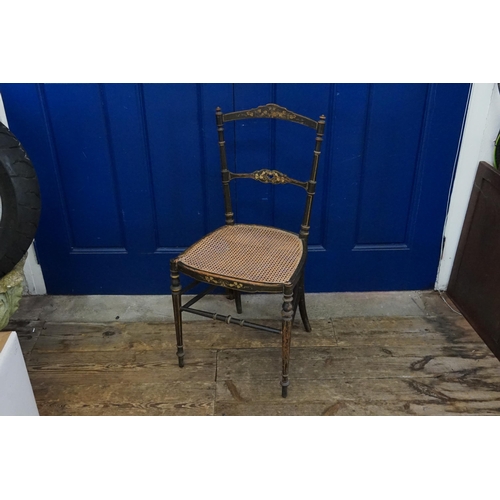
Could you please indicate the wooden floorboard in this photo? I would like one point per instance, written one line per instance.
(356, 362)
(404, 331)
(78, 337)
(118, 398)
(359, 408)
(386, 390)
(427, 365)
(124, 366)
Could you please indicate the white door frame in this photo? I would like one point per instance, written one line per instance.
(481, 128)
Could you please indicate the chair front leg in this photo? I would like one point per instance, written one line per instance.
(286, 335)
(176, 304)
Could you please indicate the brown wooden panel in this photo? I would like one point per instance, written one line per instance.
(475, 279)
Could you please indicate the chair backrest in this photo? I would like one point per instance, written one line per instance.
(270, 176)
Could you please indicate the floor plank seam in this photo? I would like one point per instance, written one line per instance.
(334, 331)
(40, 332)
(418, 305)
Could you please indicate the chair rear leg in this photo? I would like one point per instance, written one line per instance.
(237, 299)
(299, 300)
(236, 296)
(295, 302)
(302, 304)
(176, 304)
(286, 335)
(303, 312)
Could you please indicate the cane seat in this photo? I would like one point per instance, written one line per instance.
(246, 252)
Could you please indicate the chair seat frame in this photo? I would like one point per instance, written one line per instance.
(293, 289)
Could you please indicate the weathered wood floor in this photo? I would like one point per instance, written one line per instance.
(428, 365)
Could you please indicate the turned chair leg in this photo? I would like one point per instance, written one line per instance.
(286, 334)
(176, 304)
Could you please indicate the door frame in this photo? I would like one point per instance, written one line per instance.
(481, 125)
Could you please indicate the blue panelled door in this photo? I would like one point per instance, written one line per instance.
(130, 176)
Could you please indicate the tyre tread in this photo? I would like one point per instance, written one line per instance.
(23, 204)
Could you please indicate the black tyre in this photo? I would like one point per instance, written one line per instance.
(19, 201)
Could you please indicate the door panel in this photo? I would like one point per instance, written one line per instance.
(388, 170)
(77, 119)
(130, 175)
(175, 159)
(368, 249)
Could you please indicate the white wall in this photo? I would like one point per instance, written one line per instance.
(481, 128)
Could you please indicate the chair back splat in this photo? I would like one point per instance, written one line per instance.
(248, 257)
(265, 175)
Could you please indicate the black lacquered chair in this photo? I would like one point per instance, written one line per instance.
(247, 257)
